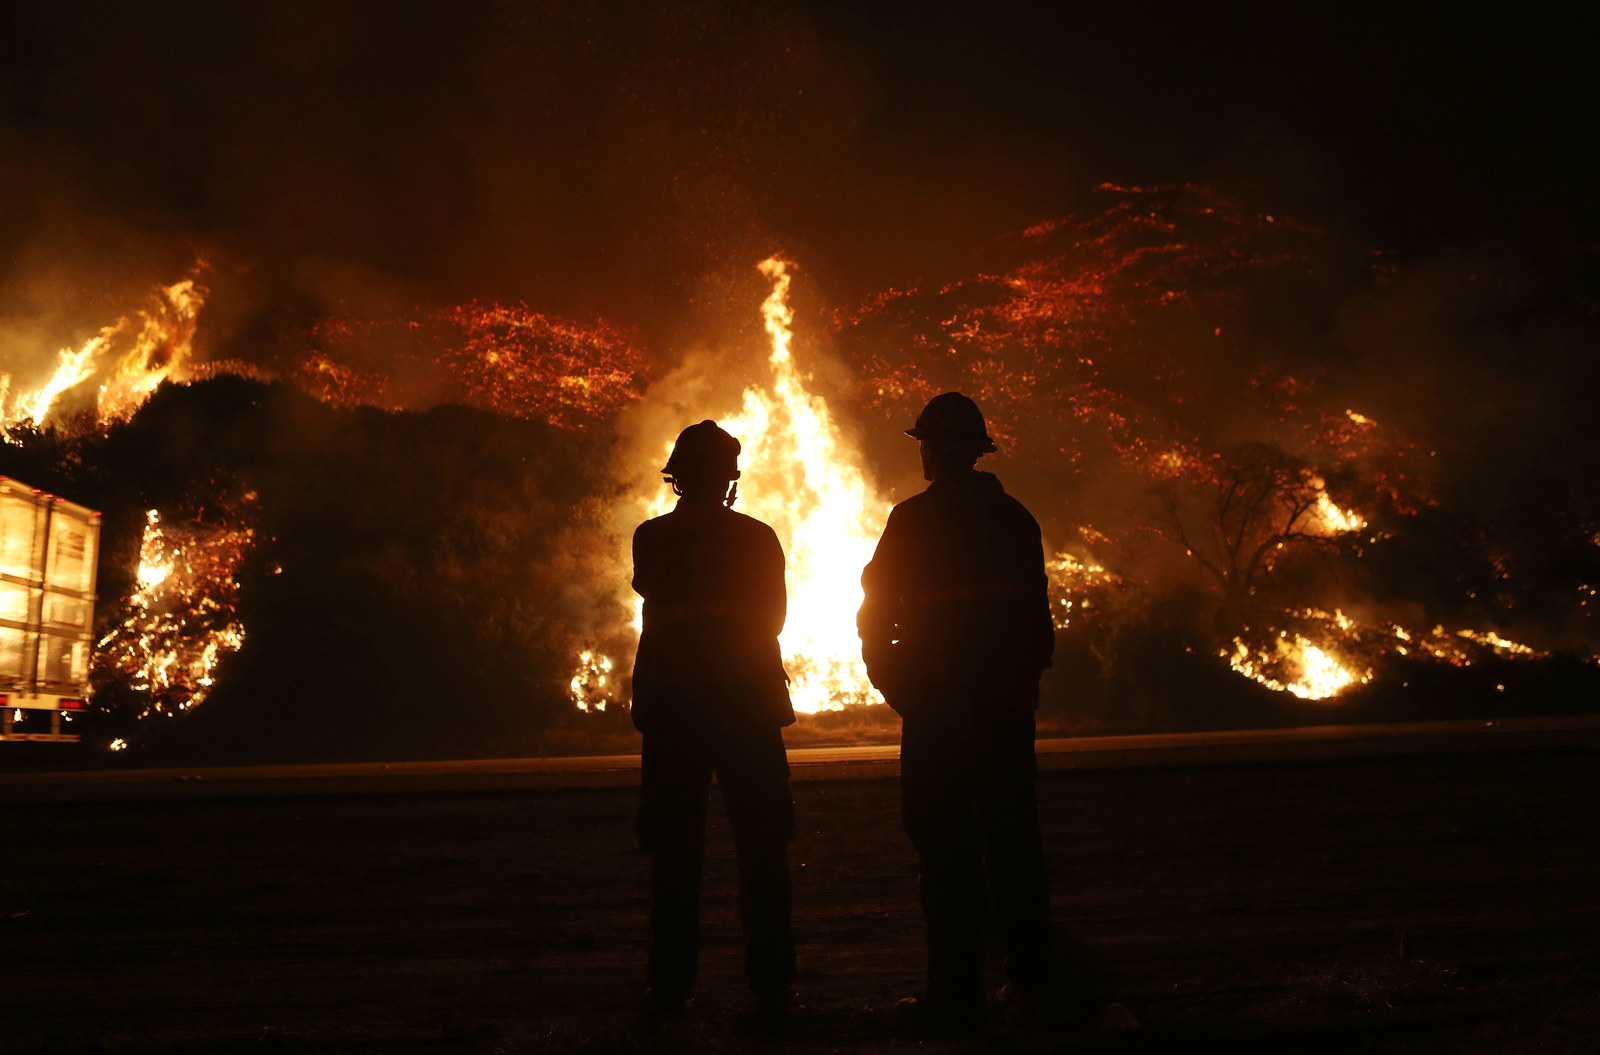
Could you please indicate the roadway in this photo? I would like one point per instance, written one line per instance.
(813, 763)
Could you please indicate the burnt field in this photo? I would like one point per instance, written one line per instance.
(1401, 904)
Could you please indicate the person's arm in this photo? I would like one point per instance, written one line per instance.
(646, 671)
(774, 591)
(1042, 622)
(877, 621)
(641, 569)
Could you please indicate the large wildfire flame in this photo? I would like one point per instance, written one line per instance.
(132, 357)
(800, 477)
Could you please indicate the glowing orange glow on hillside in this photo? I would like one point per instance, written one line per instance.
(504, 358)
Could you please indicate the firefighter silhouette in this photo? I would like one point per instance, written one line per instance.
(710, 697)
(956, 630)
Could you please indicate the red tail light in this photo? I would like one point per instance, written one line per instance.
(72, 705)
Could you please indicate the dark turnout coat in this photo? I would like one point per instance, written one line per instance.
(714, 603)
(956, 601)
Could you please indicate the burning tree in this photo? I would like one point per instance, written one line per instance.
(1237, 512)
(1119, 350)
(180, 622)
(1125, 356)
(1091, 341)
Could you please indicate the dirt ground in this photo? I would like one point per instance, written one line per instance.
(1388, 905)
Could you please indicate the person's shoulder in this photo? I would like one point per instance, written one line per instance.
(1014, 506)
(654, 526)
(912, 506)
(1013, 503)
(1007, 504)
(746, 524)
(916, 501)
(915, 513)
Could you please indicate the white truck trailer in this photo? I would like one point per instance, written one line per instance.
(49, 548)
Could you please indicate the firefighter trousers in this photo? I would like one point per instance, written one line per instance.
(967, 779)
(752, 771)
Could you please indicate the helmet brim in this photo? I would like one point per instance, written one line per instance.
(983, 446)
(668, 470)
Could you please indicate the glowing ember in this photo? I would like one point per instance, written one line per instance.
(181, 621)
(155, 345)
(522, 363)
(1073, 583)
(333, 382)
(1501, 645)
(800, 477)
(505, 358)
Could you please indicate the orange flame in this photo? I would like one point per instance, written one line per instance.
(1321, 669)
(181, 621)
(162, 350)
(1327, 517)
(161, 346)
(1295, 665)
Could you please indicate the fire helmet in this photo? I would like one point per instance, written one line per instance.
(952, 420)
(704, 448)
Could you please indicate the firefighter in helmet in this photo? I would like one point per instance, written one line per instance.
(956, 631)
(710, 696)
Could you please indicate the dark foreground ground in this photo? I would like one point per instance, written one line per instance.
(1386, 905)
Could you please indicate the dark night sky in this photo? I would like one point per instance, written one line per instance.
(605, 159)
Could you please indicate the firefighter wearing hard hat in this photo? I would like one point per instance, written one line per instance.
(710, 696)
(956, 631)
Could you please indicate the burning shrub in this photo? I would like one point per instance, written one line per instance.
(1163, 399)
(180, 623)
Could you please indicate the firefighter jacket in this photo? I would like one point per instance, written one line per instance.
(714, 602)
(956, 603)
